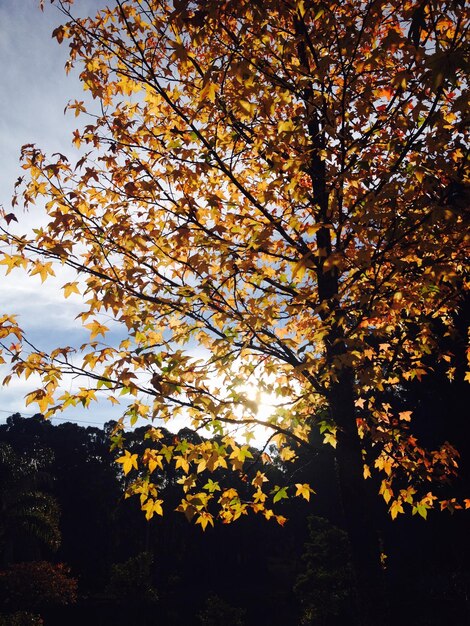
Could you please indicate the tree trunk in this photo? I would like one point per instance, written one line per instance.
(357, 505)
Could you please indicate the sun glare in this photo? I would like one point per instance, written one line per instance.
(262, 406)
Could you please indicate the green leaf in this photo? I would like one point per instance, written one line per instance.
(279, 493)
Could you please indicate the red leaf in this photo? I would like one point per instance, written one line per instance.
(10, 217)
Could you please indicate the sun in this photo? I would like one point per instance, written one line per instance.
(261, 407)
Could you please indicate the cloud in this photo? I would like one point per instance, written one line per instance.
(35, 91)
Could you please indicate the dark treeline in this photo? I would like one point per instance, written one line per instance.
(62, 502)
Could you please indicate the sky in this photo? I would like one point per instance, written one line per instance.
(34, 91)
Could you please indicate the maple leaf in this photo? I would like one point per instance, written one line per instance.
(59, 33)
(96, 329)
(182, 462)
(152, 507)
(43, 269)
(303, 490)
(152, 460)
(212, 486)
(287, 454)
(204, 519)
(396, 508)
(70, 288)
(128, 461)
(259, 479)
(279, 493)
(10, 217)
(330, 438)
(405, 415)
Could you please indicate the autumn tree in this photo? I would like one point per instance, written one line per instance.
(269, 194)
(37, 585)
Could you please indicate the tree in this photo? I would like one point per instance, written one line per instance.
(68, 469)
(29, 520)
(282, 185)
(217, 611)
(21, 618)
(37, 585)
(131, 582)
(324, 585)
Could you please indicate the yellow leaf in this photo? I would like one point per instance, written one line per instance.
(419, 175)
(384, 463)
(330, 438)
(151, 507)
(301, 266)
(70, 288)
(247, 107)
(96, 329)
(152, 459)
(285, 126)
(287, 454)
(386, 491)
(259, 496)
(128, 461)
(43, 269)
(208, 92)
(128, 86)
(182, 462)
(204, 519)
(303, 490)
(301, 7)
(396, 508)
(201, 466)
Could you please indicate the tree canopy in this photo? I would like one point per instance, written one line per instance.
(267, 193)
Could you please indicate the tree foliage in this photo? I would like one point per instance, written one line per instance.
(131, 581)
(21, 618)
(217, 611)
(270, 194)
(37, 585)
(29, 521)
(325, 584)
